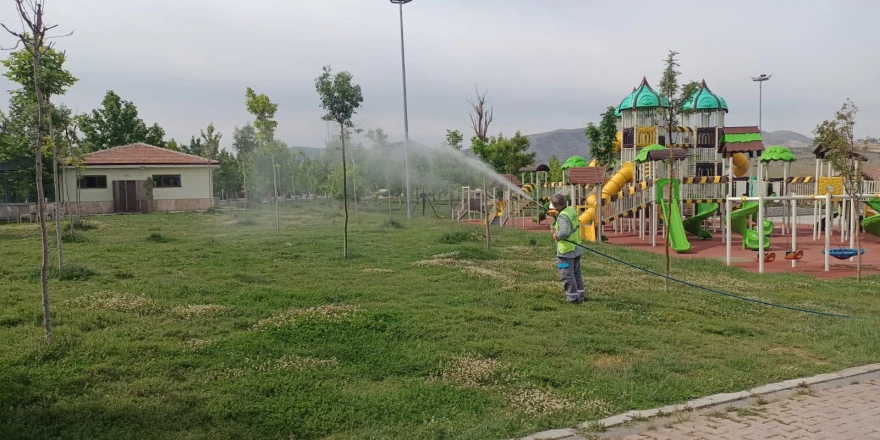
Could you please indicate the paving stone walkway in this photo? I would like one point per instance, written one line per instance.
(847, 412)
(845, 409)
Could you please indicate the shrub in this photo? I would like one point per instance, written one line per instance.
(76, 237)
(456, 237)
(80, 225)
(158, 238)
(70, 272)
(392, 224)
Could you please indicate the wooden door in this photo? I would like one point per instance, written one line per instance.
(125, 196)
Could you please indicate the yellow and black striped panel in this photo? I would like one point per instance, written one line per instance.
(628, 213)
(706, 180)
(683, 129)
(805, 179)
(703, 200)
(528, 188)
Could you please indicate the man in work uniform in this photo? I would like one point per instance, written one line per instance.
(565, 232)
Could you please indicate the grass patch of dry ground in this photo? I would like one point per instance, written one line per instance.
(220, 330)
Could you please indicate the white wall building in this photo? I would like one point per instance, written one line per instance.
(142, 178)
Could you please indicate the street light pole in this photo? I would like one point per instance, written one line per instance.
(760, 80)
(400, 3)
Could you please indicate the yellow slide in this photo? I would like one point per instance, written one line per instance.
(614, 186)
(740, 164)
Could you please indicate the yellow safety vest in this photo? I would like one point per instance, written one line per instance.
(574, 236)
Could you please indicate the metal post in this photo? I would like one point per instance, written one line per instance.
(827, 232)
(728, 207)
(760, 104)
(794, 219)
(760, 233)
(405, 117)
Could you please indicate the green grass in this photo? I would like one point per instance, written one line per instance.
(233, 331)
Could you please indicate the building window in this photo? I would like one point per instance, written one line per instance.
(93, 182)
(167, 181)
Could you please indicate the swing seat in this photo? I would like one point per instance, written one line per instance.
(794, 255)
(844, 253)
(769, 257)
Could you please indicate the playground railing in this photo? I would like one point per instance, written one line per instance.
(694, 191)
(871, 187)
(800, 189)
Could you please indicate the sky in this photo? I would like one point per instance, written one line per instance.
(546, 64)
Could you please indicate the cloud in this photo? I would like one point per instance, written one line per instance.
(547, 65)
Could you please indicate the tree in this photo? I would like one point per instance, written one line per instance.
(54, 80)
(33, 39)
(669, 90)
(244, 141)
(340, 98)
(481, 116)
(837, 138)
(264, 110)
(454, 139)
(117, 123)
(602, 139)
(227, 176)
(212, 145)
(505, 155)
(555, 169)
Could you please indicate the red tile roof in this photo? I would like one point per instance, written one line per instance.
(142, 154)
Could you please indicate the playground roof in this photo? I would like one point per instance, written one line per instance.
(705, 99)
(504, 178)
(821, 150)
(642, 97)
(777, 153)
(531, 169)
(746, 140)
(658, 155)
(586, 175)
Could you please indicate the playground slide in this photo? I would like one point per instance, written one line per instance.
(677, 237)
(739, 221)
(692, 224)
(613, 186)
(871, 224)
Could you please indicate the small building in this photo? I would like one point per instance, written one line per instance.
(142, 178)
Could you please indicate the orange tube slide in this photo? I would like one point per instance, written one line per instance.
(613, 186)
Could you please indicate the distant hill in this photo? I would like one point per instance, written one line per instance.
(568, 142)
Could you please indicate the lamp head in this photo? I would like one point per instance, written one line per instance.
(400, 2)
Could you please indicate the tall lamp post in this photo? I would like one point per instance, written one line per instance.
(400, 3)
(760, 80)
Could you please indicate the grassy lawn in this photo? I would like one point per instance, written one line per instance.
(196, 326)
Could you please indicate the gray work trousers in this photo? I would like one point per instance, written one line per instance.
(572, 280)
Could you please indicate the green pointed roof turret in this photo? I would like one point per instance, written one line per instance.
(705, 99)
(646, 97)
(626, 104)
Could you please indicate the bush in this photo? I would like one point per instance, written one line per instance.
(392, 224)
(76, 237)
(457, 237)
(70, 272)
(79, 225)
(158, 238)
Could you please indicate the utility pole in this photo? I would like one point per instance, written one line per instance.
(760, 80)
(400, 3)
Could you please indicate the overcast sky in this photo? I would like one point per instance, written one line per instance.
(547, 64)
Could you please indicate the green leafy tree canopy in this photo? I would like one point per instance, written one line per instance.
(602, 138)
(116, 123)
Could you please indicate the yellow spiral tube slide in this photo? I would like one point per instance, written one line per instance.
(613, 186)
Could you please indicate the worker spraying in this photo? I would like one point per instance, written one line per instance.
(567, 237)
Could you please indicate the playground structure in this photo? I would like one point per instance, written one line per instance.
(720, 184)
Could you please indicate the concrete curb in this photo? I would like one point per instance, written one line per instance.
(715, 399)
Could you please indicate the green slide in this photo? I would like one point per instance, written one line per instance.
(672, 216)
(871, 224)
(739, 221)
(692, 224)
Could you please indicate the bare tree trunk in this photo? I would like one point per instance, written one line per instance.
(244, 179)
(275, 191)
(354, 184)
(41, 205)
(486, 208)
(669, 174)
(344, 193)
(57, 187)
(67, 201)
